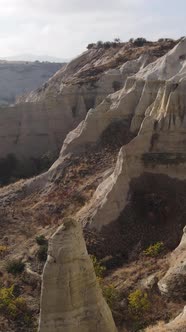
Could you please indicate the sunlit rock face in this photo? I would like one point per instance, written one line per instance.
(71, 299)
(153, 103)
(174, 282)
(41, 119)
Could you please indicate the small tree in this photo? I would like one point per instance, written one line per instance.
(99, 44)
(15, 267)
(91, 45)
(107, 44)
(140, 41)
(117, 40)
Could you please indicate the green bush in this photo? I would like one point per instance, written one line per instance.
(98, 267)
(139, 41)
(111, 295)
(15, 267)
(154, 250)
(138, 303)
(43, 247)
(41, 240)
(14, 307)
(42, 253)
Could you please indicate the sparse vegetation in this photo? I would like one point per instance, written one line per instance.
(139, 41)
(111, 295)
(154, 250)
(138, 303)
(15, 267)
(3, 250)
(98, 267)
(13, 307)
(107, 44)
(41, 240)
(42, 253)
(43, 248)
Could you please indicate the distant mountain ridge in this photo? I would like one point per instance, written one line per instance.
(20, 77)
(34, 57)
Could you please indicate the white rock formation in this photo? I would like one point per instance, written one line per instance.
(71, 299)
(153, 102)
(174, 282)
(176, 325)
(40, 121)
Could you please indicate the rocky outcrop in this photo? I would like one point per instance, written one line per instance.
(71, 299)
(40, 121)
(174, 282)
(176, 325)
(153, 104)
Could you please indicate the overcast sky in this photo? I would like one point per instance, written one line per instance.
(63, 28)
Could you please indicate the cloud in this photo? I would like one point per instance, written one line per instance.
(63, 28)
(61, 7)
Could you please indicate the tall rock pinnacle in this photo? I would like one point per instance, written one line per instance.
(71, 299)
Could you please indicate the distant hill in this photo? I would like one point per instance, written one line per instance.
(20, 77)
(34, 57)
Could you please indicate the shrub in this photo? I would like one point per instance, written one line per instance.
(138, 303)
(43, 247)
(3, 250)
(107, 44)
(139, 41)
(42, 253)
(154, 250)
(41, 240)
(99, 269)
(99, 44)
(117, 40)
(89, 46)
(11, 305)
(15, 267)
(111, 295)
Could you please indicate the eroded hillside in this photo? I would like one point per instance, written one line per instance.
(121, 174)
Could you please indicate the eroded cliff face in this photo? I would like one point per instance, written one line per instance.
(153, 104)
(71, 298)
(174, 282)
(41, 120)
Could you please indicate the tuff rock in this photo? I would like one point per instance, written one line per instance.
(71, 298)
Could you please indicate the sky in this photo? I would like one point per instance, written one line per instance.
(63, 28)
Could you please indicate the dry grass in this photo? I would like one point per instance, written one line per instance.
(160, 327)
